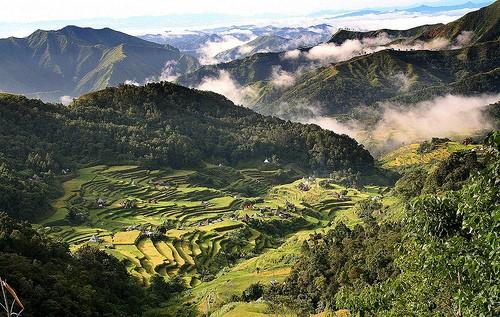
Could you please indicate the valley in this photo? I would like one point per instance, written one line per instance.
(168, 223)
(326, 163)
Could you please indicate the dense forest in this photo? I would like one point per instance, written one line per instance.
(158, 125)
(52, 281)
(441, 260)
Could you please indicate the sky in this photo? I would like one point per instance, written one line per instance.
(21, 17)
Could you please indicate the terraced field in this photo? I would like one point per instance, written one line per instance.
(191, 222)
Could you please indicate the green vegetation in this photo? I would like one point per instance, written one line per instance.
(440, 260)
(175, 226)
(345, 87)
(159, 125)
(73, 61)
(167, 201)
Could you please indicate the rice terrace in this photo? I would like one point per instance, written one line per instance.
(165, 158)
(194, 223)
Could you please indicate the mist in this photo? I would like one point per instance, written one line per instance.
(449, 116)
(225, 85)
(327, 53)
(282, 78)
(210, 49)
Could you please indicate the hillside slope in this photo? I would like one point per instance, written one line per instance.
(158, 125)
(388, 74)
(389, 65)
(262, 44)
(74, 60)
(483, 23)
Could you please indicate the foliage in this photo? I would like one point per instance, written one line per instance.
(429, 146)
(341, 259)
(451, 259)
(449, 174)
(52, 282)
(161, 125)
(253, 292)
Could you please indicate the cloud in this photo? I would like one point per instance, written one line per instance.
(331, 53)
(131, 82)
(225, 85)
(327, 53)
(464, 38)
(448, 116)
(282, 78)
(169, 72)
(210, 49)
(402, 81)
(66, 100)
(433, 45)
(245, 49)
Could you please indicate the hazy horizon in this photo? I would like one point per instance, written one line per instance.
(21, 18)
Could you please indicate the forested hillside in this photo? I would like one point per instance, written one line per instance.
(411, 76)
(440, 260)
(156, 125)
(364, 68)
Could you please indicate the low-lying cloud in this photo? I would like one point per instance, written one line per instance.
(449, 116)
(331, 52)
(281, 78)
(210, 49)
(66, 100)
(169, 72)
(327, 53)
(225, 85)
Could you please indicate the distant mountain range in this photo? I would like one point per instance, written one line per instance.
(243, 40)
(423, 9)
(262, 44)
(74, 60)
(274, 63)
(362, 68)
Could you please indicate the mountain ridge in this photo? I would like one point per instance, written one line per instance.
(74, 60)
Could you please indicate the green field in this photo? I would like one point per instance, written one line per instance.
(408, 157)
(210, 214)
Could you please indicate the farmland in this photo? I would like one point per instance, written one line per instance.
(194, 223)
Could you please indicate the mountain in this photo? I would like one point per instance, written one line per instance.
(423, 9)
(160, 124)
(262, 44)
(382, 65)
(227, 41)
(74, 60)
(343, 35)
(188, 43)
(388, 74)
(484, 25)
(436, 9)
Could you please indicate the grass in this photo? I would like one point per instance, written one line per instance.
(70, 188)
(202, 229)
(126, 237)
(408, 156)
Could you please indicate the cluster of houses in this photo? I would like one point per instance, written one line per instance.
(95, 239)
(65, 171)
(342, 195)
(208, 222)
(100, 202)
(304, 187)
(206, 204)
(128, 204)
(132, 228)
